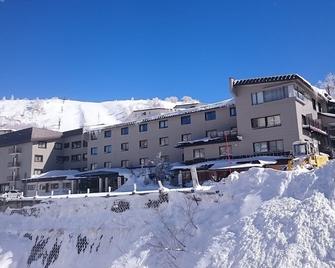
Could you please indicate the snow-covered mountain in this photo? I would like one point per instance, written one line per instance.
(259, 218)
(62, 115)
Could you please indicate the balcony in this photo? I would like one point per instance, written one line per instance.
(15, 150)
(312, 125)
(15, 164)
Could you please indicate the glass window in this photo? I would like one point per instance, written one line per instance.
(143, 144)
(164, 141)
(94, 150)
(314, 104)
(124, 131)
(38, 158)
(198, 153)
(143, 127)
(210, 115)
(260, 147)
(225, 150)
(85, 144)
(125, 146)
(66, 145)
(75, 157)
(232, 111)
(58, 146)
(124, 163)
(42, 144)
(185, 120)
(144, 161)
(94, 166)
(107, 164)
(107, 149)
(76, 144)
(38, 171)
(108, 133)
(94, 135)
(54, 186)
(85, 156)
(163, 124)
(186, 137)
(211, 133)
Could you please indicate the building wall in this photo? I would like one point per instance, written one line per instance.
(174, 132)
(289, 109)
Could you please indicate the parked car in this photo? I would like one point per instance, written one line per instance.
(12, 194)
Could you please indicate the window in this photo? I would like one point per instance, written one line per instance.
(59, 159)
(143, 127)
(94, 150)
(38, 171)
(66, 145)
(163, 124)
(94, 135)
(94, 166)
(66, 185)
(185, 120)
(232, 111)
(210, 115)
(42, 144)
(58, 146)
(107, 133)
(108, 149)
(264, 122)
(319, 107)
(54, 186)
(125, 146)
(85, 156)
(164, 141)
(143, 144)
(124, 131)
(269, 146)
(225, 150)
(66, 158)
(165, 158)
(314, 104)
(300, 149)
(186, 137)
(31, 187)
(144, 161)
(107, 164)
(269, 95)
(211, 133)
(198, 153)
(304, 119)
(75, 157)
(85, 144)
(38, 158)
(124, 163)
(76, 144)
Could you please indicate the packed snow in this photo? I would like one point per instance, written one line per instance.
(61, 114)
(258, 218)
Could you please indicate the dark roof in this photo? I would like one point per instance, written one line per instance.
(28, 135)
(73, 132)
(269, 79)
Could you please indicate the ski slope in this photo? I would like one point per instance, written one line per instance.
(62, 115)
(258, 218)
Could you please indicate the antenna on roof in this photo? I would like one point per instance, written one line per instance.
(231, 85)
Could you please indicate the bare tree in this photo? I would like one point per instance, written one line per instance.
(328, 84)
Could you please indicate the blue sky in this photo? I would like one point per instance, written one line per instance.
(102, 50)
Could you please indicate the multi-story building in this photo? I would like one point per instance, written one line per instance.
(279, 115)
(32, 151)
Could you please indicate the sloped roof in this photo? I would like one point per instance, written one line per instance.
(269, 79)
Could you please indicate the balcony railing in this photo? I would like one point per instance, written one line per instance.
(14, 164)
(15, 150)
(313, 125)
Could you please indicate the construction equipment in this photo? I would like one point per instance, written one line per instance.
(306, 155)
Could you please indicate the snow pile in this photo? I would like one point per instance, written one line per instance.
(62, 115)
(258, 218)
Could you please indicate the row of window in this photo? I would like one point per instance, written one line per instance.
(276, 94)
(184, 120)
(269, 146)
(224, 151)
(125, 163)
(74, 158)
(53, 186)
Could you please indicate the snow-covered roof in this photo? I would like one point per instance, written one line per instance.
(201, 108)
(56, 174)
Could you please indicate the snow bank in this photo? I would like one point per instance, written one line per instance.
(259, 218)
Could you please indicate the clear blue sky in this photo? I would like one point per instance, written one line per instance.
(101, 50)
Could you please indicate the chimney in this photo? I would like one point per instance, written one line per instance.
(231, 85)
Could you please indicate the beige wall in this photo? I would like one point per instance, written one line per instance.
(174, 131)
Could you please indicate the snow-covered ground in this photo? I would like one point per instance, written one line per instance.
(258, 218)
(62, 115)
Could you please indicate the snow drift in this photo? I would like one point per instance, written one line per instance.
(258, 218)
